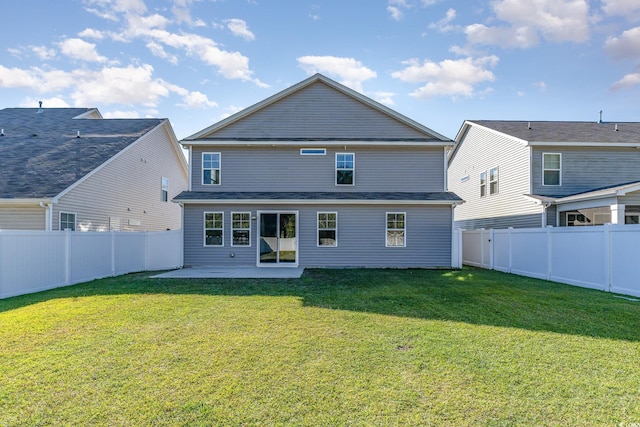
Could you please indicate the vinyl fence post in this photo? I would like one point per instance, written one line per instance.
(491, 247)
(510, 235)
(113, 253)
(67, 256)
(549, 254)
(607, 257)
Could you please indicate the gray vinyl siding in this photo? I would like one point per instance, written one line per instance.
(585, 169)
(129, 188)
(552, 216)
(361, 237)
(513, 221)
(335, 115)
(285, 169)
(22, 218)
(479, 151)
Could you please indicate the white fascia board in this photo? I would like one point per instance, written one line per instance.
(316, 202)
(27, 203)
(584, 144)
(587, 204)
(390, 144)
(488, 129)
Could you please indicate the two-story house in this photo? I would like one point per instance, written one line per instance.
(70, 168)
(318, 175)
(535, 174)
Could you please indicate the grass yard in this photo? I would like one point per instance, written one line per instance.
(334, 348)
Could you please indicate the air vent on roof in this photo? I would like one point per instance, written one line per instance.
(40, 108)
(529, 125)
(616, 127)
(78, 134)
(600, 121)
(2, 132)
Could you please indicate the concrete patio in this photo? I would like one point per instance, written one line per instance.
(242, 272)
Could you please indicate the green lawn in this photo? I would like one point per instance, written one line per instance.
(334, 348)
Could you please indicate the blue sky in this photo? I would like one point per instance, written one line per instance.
(439, 62)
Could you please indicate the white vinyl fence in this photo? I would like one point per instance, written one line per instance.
(32, 261)
(601, 257)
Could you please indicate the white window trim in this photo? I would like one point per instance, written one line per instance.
(163, 189)
(204, 229)
(318, 230)
(335, 176)
(386, 230)
(219, 167)
(486, 181)
(497, 181)
(559, 171)
(75, 220)
(233, 229)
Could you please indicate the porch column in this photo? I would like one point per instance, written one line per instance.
(617, 213)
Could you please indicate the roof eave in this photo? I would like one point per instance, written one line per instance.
(315, 143)
(24, 202)
(315, 202)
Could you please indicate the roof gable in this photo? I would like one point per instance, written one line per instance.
(42, 154)
(317, 109)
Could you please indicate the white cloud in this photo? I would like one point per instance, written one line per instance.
(528, 21)
(80, 49)
(90, 33)
(239, 28)
(119, 114)
(43, 52)
(395, 12)
(627, 46)
(349, 71)
(54, 102)
(542, 86)
(443, 24)
(627, 8)
(385, 98)
(109, 9)
(449, 77)
(157, 50)
(627, 81)
(197, 100)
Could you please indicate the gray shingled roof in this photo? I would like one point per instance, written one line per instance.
(572, 132)
(395, 196)
(40, 155)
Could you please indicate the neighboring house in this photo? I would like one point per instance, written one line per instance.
(535, 174)
(318, 175)
(70, 168)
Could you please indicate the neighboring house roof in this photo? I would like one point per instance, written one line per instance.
(566, 133)
(598, 193)
(315, 197)
(41, 154)
(294, 124)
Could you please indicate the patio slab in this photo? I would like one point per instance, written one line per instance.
(248, 272)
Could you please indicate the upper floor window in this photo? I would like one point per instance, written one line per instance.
(211, 168)
(345, 168)
(165, 189)
(240, 229)
(493, 180)
(551, 169)
(396, 229)
(483, 184)
(213, 228)
(327, 229)
(67, 221)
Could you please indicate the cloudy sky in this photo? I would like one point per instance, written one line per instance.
(439, 62)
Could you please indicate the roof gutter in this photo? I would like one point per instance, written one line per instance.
(316, 202)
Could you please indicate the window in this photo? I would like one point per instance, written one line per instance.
(327, 229)
(551, 169)
(345, 167)
(396, 229)
(483, 184)
(165, 189)
(493, 181)
(313, 151)
(211, 168)
(67, 221)
(241, 229)
(213, 228)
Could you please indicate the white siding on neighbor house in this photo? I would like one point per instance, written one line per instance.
(585, 168)
(127, 186)
(335, 115)
(360, 229)
(277, 168)
(22, 218)
(481, 150)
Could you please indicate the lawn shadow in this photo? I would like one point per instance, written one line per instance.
(474, 296)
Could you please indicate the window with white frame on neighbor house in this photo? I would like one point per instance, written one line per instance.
(213, 228)
(551, 169)
(345, 168)
(211, 168)
(67, 221)
(328, 229)
(483, 184)
(493, 181)
(165, 189)
(396, 227)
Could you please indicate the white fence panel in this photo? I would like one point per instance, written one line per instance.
(601, 257)
(32, 261)
(625, 268)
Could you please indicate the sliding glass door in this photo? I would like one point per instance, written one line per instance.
(278, 243)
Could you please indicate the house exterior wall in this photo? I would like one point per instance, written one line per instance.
(335, 116)
(361, 236)
(481, 150)
(127, 186)
(585, 169)
(22, 218)
(280, 168)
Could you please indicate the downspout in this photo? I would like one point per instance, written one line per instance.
(544, 213)
(48, 216)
